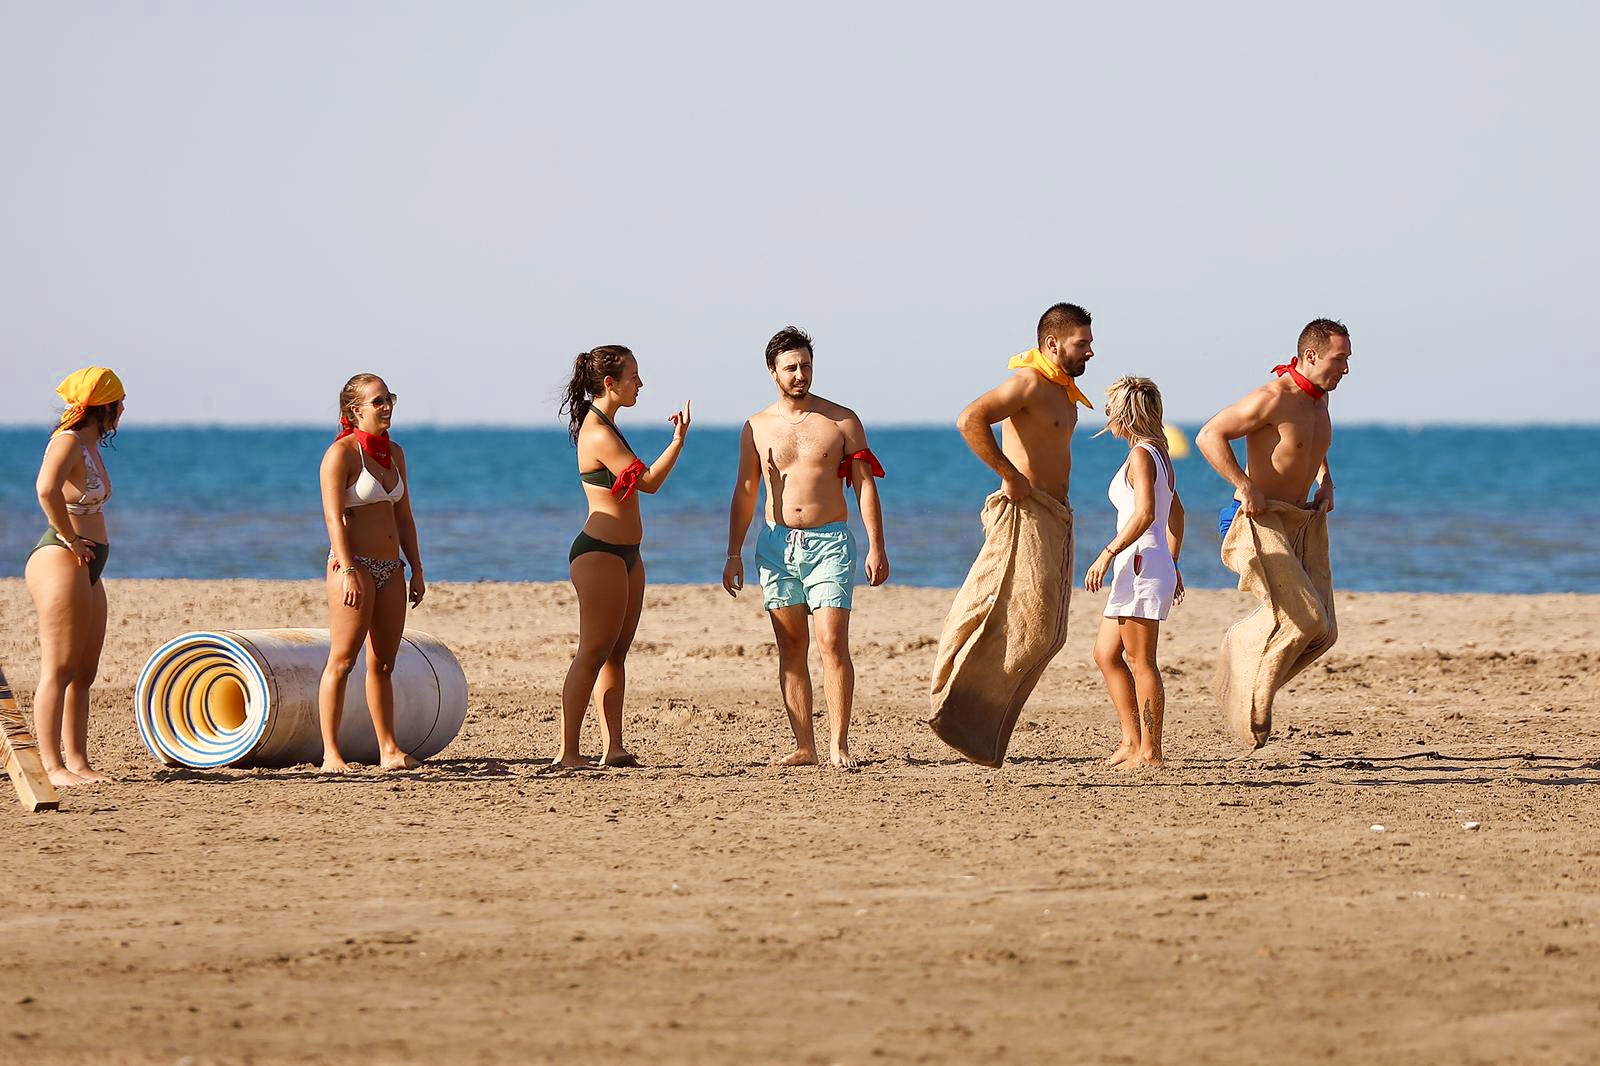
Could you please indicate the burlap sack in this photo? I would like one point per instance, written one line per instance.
(1281, 558)
(1008, 621)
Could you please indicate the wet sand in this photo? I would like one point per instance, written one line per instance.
(1236, 907)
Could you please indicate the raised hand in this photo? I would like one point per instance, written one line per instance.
(680, 422)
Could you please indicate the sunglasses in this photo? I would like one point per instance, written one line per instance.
(383, 401)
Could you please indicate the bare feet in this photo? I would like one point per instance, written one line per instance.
(335, 765)
(571, 762)
(801, 757)
(1121, 755)
(61, 777)
(842, 759)
(399, 761)
(1140, 759)
(89, 775)
(625, 760)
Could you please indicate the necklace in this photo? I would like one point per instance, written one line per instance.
(801, 419)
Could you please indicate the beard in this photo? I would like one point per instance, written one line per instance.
(795, 392)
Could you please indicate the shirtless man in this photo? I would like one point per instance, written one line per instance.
(807, 448)
(1009, 618)
(1286, 428)
(1036, 414)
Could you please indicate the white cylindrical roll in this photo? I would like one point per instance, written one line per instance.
(249, 698)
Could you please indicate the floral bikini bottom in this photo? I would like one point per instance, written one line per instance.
(380, 569)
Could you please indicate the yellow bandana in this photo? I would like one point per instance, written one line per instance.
(89, 387)
(1034, 359)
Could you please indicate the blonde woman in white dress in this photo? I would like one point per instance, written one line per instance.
(1144, 581)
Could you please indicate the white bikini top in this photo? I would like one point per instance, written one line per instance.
(96, 482)
(368, 489)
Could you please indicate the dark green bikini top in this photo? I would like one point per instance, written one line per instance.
(604, 477)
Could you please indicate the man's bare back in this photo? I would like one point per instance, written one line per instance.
(800, 460)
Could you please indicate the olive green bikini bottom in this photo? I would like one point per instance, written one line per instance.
(97, 565)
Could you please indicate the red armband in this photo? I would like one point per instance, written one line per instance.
(845, 467)
(628, 480)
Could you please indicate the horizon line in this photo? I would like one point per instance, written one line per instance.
(1410, 426)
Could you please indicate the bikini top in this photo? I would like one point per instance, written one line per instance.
(368, 489)
(96, 483)
(604, 477)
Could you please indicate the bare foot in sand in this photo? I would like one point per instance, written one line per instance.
(335, 765)
(1152, 759)
(571, 762)
(801, 757)
(61, 777)
(842, 759)
(1121, 755)
(622, 760)
(399, 761)
(89, 775)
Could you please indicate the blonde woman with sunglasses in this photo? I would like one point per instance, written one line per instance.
(368, 512)
(1144, 579)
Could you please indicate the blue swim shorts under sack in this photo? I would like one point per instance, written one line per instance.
(1225, 516)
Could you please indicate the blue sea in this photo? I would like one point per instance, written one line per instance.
(1428, 510)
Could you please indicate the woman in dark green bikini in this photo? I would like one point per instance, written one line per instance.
(606, 569)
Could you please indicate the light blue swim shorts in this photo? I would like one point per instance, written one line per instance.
(816, 567)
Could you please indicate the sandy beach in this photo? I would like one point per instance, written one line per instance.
(1236, 907)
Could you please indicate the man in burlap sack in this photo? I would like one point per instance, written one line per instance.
(1274, 539)
(1010, 616)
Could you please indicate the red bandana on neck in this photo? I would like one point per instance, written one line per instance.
(373, 444)
(1306, 386)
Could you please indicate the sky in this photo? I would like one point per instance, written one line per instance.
(237, 206)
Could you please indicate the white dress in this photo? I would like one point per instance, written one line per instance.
(1143, 578)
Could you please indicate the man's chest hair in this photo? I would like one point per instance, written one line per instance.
(816, 439)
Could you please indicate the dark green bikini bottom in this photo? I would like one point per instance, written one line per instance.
(97, 565)
(628, 553)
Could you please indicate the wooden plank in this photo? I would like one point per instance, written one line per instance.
(21, 755)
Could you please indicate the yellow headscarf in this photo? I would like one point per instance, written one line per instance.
(89, 387)
(1034, 359)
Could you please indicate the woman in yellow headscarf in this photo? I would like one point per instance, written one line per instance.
(63, 572)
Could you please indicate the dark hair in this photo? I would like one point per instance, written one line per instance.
(104, 418)
(589, 373)
(1059, 319)
(1318, 332)
(348, 396)
(788, 339)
